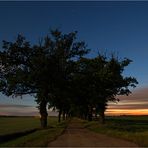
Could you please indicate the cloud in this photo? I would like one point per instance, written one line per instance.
(127, 112)
(140, 94)
(21, 110)
(137, 103)
(130, 106)
(14, 105)
(138, 97)
(8, 109)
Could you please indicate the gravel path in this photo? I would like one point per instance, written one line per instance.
(78, 136)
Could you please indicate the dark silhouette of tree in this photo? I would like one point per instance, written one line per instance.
(57, 72)
(42, 69)
(100, 80)
(113, 83)
(66, 53)
(25, 71)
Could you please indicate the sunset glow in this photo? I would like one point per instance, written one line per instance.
(127, 112)
(134, 104)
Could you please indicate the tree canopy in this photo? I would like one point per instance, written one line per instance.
(59, 74)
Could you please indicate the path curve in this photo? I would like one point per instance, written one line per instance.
(78, 136)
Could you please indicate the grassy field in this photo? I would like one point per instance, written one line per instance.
(41, 137)
(132, 128)
(10, 125)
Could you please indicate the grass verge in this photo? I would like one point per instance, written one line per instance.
(39, 138)
(131, 130)
(10, 125)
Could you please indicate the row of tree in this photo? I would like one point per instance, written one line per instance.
(58, 73)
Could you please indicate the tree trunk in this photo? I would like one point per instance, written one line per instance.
(63, 115)
(89, 117)
(43, 120)
(90, 114)
(59, 116)
(102, 117)
(43, 113)
(96, 113)
(85, 116)
(66, 116)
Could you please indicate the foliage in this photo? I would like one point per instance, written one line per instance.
(58, 73)
(42, 70)
(100, 80)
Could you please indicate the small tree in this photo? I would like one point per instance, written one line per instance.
(98, 81)
(113, 83)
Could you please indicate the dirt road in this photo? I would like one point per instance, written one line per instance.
(78, 136)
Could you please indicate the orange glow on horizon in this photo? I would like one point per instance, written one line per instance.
(126, 112)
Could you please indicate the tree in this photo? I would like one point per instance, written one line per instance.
(42, 69)
(24, 71)
(113, 83)
(66, 53)
(58, 74)
(99, 81)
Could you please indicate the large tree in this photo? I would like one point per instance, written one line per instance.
(41, 69)
(56, 72)
(25, 70)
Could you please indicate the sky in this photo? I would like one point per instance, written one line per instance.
(112, 26)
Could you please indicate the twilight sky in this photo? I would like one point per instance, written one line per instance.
(121, 27)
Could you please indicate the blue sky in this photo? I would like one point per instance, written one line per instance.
(121, 27)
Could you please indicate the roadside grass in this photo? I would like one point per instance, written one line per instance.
(39, 138)
(134, 128)
(10, 125)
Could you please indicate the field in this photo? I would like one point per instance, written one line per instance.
(25, 131)
(132, 128)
